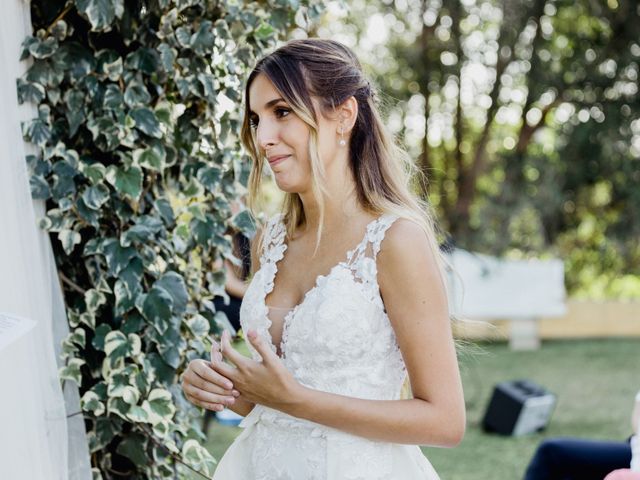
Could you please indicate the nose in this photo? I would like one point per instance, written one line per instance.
(266, 134)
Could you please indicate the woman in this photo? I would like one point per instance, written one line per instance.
(336, 324)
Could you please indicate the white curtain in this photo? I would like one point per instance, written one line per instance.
(37, 438)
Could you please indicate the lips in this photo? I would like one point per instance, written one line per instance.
(277, 159)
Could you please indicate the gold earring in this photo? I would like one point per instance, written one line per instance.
(342, 140)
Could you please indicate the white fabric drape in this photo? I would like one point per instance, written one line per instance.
(37, 440)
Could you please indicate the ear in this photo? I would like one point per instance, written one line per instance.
(347, 114)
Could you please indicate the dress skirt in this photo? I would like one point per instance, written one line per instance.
(274, 446)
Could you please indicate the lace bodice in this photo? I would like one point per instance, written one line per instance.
(338, 339)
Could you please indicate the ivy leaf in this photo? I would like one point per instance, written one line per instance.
(163, 207)
(113, 97)
(99, 336)
(101, 13)
(96, 196)
(142, 231)
(159, 405)
(37, 131)
(146, 121)
(39, 187)
(133, 447)
(136, 94)
(30, 91)
(157, 305)
(202, 40)
(210, 178)
(113, 70)
(69, 239)
(117, 345)
(94, 172)
(151, 157)
(117, 256)
(137, 414)
(244, 222)
(198, 325)
(127, 181)
(263, 31)
(167, 57)
(43, 48)
(174, 284)
(59, 30)
(90, 402)
(132, 323)
(94, 299)
(163, 372)
(198, 457)
(143, 59)
(72, 371)
(125, 299)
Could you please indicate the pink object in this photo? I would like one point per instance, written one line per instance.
(623, 474)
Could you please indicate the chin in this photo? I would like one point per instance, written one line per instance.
(288, 186)
(288, 189)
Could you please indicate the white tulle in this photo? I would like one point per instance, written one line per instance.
(42, 436)
(339, 340)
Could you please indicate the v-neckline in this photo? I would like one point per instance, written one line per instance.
(316, 284)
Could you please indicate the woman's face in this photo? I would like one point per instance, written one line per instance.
(283, 137)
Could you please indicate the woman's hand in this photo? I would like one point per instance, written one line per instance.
(268, 382)
(205, 387)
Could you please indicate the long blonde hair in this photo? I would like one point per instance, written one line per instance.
(382, 170)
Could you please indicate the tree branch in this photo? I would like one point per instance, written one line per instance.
(67, 281)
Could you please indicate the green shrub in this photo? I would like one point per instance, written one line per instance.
(138, 160)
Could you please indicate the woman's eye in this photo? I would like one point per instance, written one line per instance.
(282, 112)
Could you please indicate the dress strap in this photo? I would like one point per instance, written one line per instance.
(273, 240)
(374, 236)
(376, 232)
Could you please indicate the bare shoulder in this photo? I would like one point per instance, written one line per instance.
(404, 242)
(407, 261)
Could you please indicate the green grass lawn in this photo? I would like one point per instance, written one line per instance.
(595, 381)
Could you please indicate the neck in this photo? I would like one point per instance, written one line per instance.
(340, 204)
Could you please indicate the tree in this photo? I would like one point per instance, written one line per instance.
(517, 111)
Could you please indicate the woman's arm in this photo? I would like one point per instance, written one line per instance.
(234, 284)
(416, 303)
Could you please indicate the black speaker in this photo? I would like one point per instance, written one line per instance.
(518, 407)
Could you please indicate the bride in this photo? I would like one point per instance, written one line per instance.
(348, 296)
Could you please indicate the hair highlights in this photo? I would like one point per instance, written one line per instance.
(329, 72)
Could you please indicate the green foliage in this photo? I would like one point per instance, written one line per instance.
(138, 160)
(518, 112)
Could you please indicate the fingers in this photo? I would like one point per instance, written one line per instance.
(207, 397)
(226, 371)
(203, 387)
(216, 407)
(201, 376)
(205, 371)
(229, 352)
(261, 346)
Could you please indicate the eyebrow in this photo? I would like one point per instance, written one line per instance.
(270, 103)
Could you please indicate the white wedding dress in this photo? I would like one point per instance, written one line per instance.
(339, 340)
